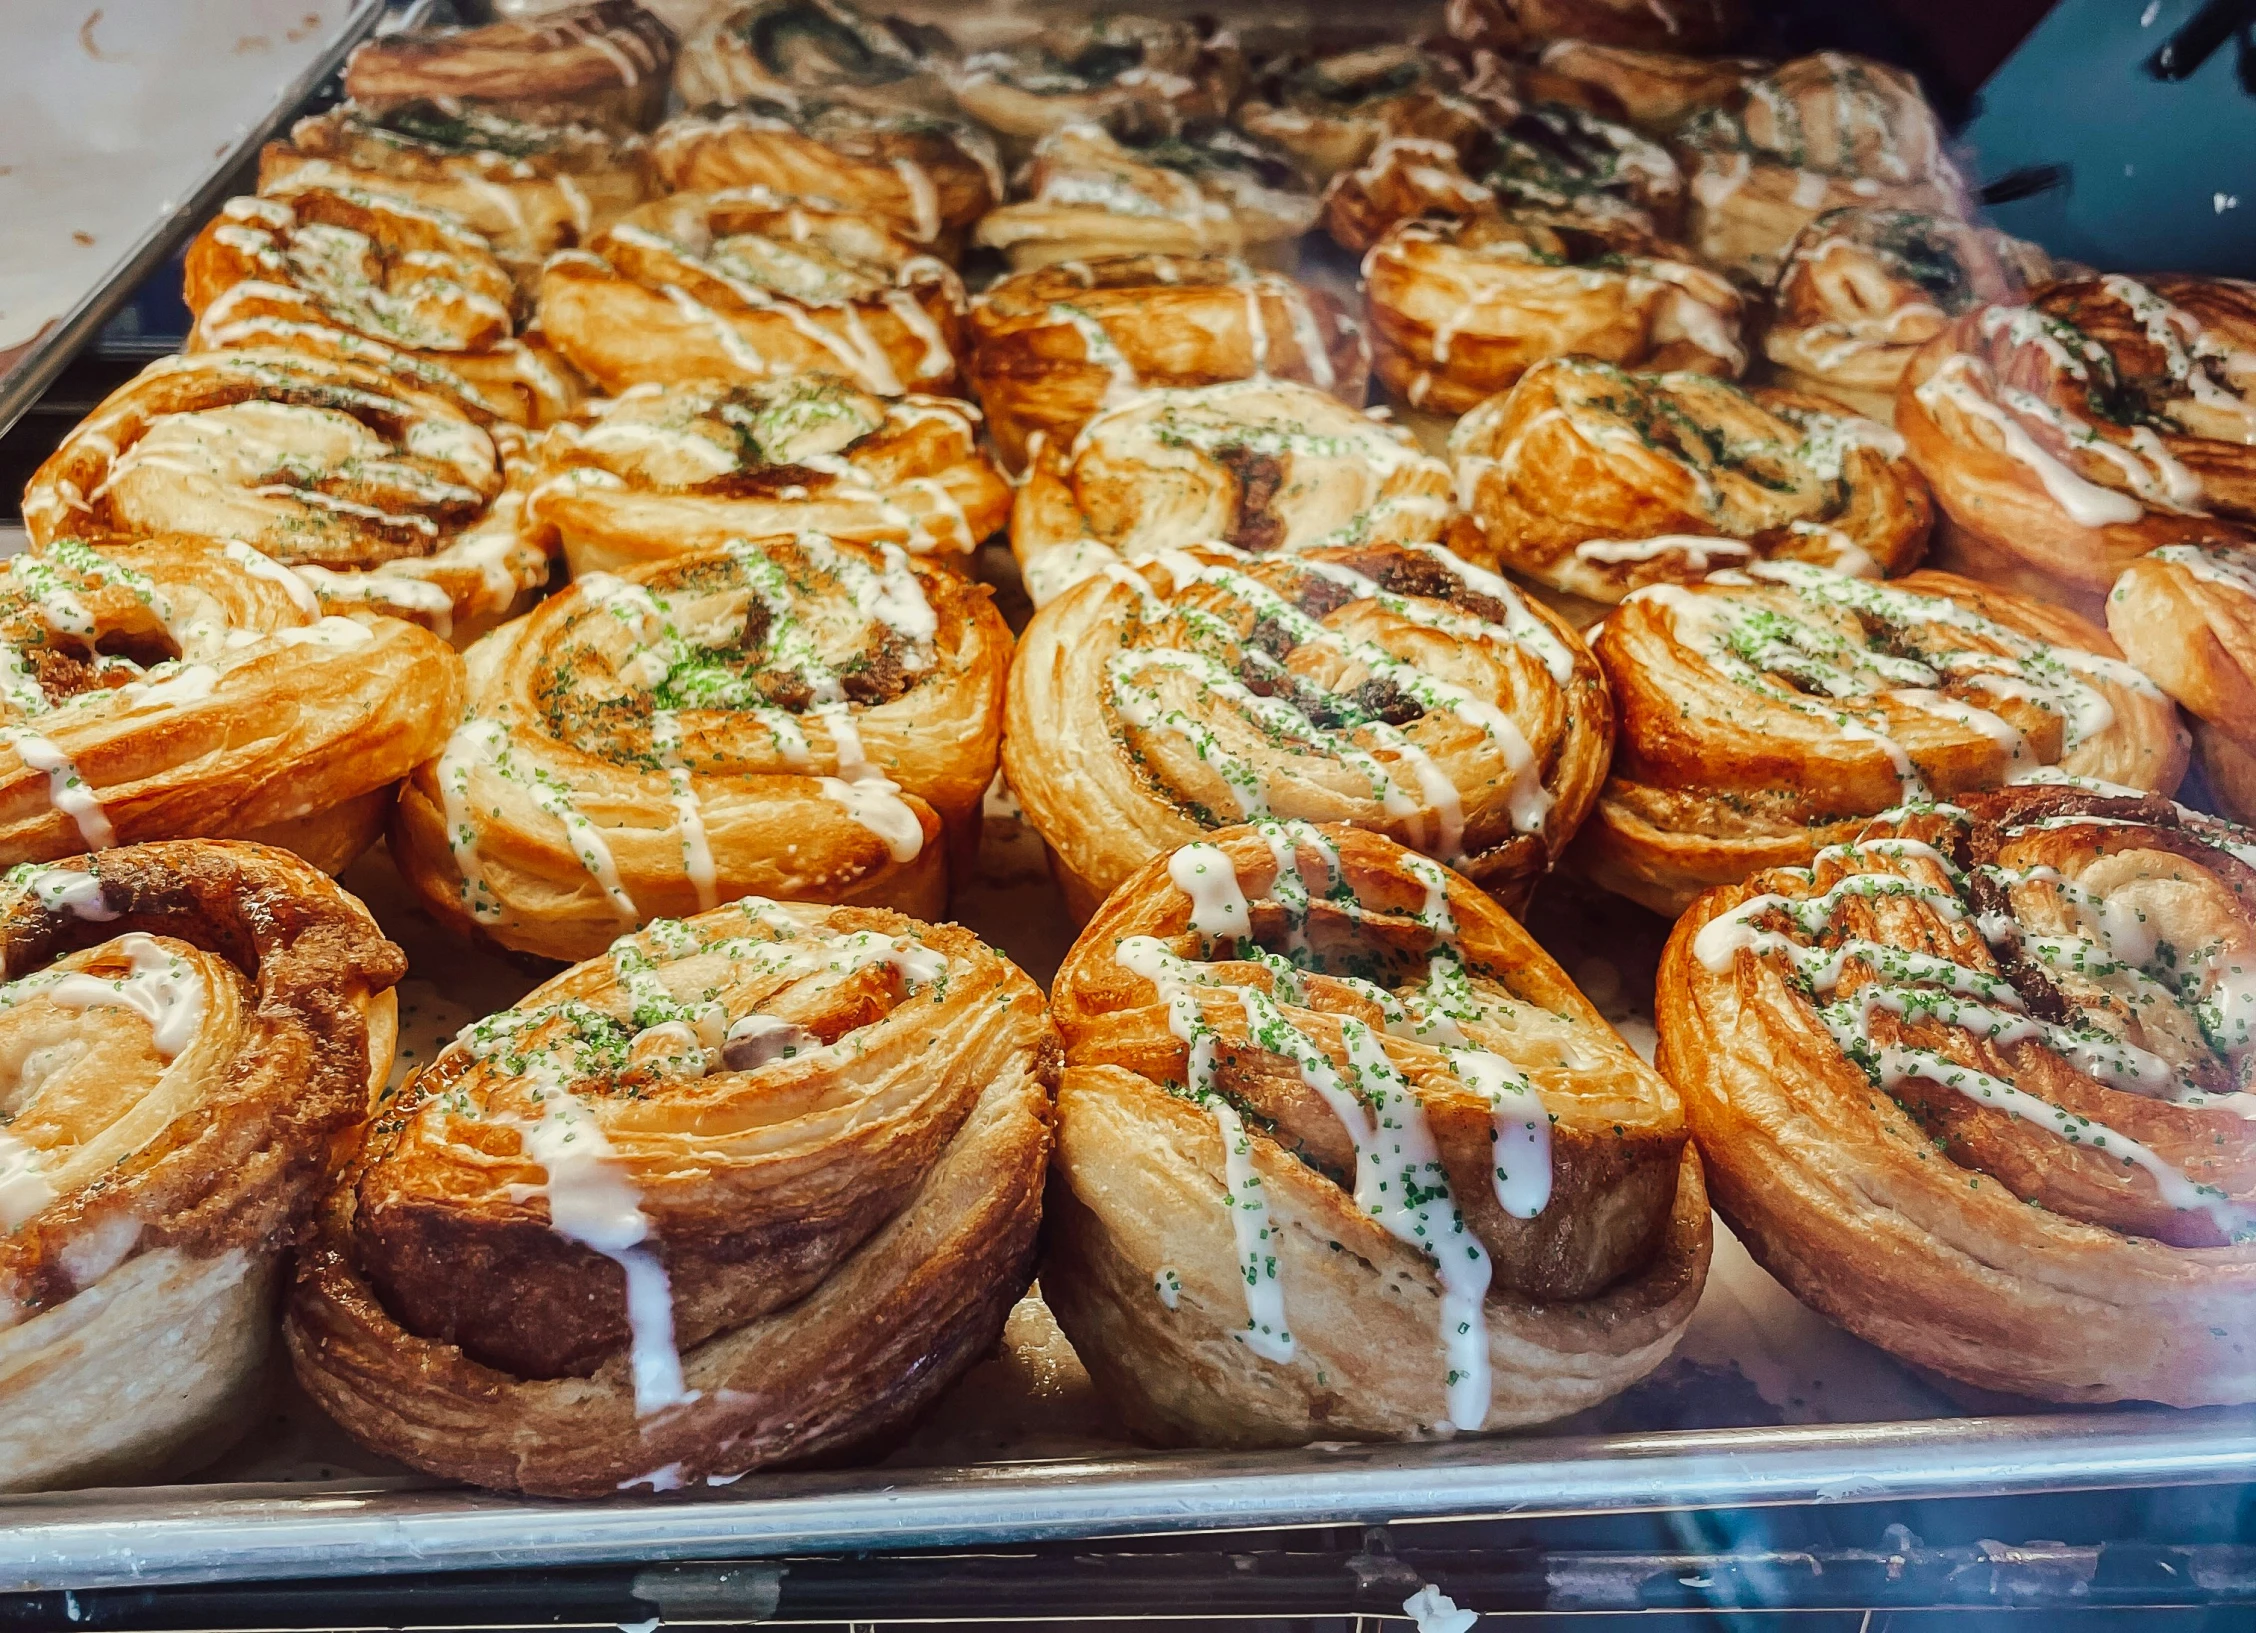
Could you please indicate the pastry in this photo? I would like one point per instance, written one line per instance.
(1396, 688)
(794, 51)
(1134, 76)
(1341, 1154)
(527, 188)
(382, 495)
(1054, 346)
(606, 63)
(1859, 290)
(197, 1025)
(1818, 133)
(803, 718)
(1460, 310)
(1262, 464)
(1597, 480)
(1775, 709)
(1329, 109)
(181, 687)
(1973, 1086)
(1090, 195)
(366, 278)
(2069, 436)
(1652, 25)
(662, 471)
(753, 1187)
(748, 284)
(2186, 615)
(1654, 91)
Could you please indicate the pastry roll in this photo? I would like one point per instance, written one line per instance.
(182, 687)
(1089, 196)
(748, 284)
(661, 471)
(380, 494)
(1330, 109)
(1697, 26)
(195, 1027)
(1395, 688)
(928, 179)
(1261, 464)
(749, 1188)
(1054, 346)
(1598, 481)
(2067, 437)
(606, 63)
(1860, 290)
(1654, 91)
(803, 718)
(1342, 1154)
(791, 52)
(1136, 76)
(526, 188)
(2186, 615)
(1819, 133)
(1972, 1086)
(1775, 709)
(1460, 310)
(366, 278)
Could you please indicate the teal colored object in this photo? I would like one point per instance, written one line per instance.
(2162, 175)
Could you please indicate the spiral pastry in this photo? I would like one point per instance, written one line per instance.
(369, 279)
(1973, 1085)
(195, 1026)
(662, 471)
(607, 63)
(789, 52)
(1341, 1152)
(1695, 26)
(1652, 91)
(927, 179)
(1598, 481)
(1772, 711)
(1820, 133)
(1860, 290)
(2186, 616)
(381, 495)
(1398, 689)
(749, 1188)
(2069, 436)
(1055, 346)
(1089, 196)
(1260, 464)
(1136, 76)
(1328, 110)
(747, 284)
(185, 688)
(1460, 310)
(803, 718)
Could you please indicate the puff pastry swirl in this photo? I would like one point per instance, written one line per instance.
(803, 718)
(190, 1031)
(1770, 712)
(607, 62)
(1135, 76)
(1974, 1086)
(2186, 615)
(1652, 90)
(1696, 26)
(752, 1187)
(795, 51)
(1342, 1154)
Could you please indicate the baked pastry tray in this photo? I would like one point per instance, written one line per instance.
(1764, 1403)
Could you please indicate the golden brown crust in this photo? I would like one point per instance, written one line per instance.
(2186, 615)
(594, 1246)
(607, 61)
(747, 284)
(1262, 464)
(798, 718)
(226, 1009)
(1764, 714)
(793, 51)
(383, 494)
(1655, 25)
(1135, 76)
(1653, 90)
(2001, 1148)
(1573, 1244)
(1054, 346)
(1329, 109)
(1460, 310)
(1598, 481)
(2107, 417)
(665, 470)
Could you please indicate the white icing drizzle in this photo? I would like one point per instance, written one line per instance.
(161, 987)
(1966, 383)
(67, 790)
